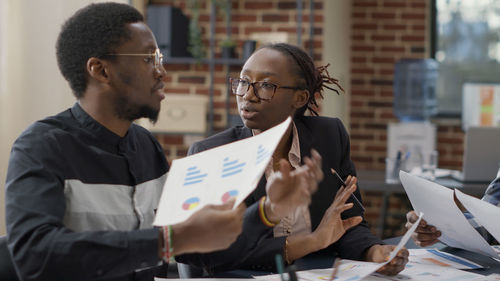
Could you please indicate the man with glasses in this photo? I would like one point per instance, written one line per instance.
(83, 186)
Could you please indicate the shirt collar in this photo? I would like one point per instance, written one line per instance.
(89, 123)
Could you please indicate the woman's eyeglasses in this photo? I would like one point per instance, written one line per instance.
(261, 89)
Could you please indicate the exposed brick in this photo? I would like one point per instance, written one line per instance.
(412, 38)
(379, 37)
(392, 49)
(358, 37)
(420, 27)
(362, 114)
(355, 92)
(375, 126)
(176, 67)
(446, 140)
(358, 14)
(413, 16)
(418, 4)
(207, 92)
(383, 60)
(171, 90)
(358, 59)
(417, 49)
(396, 4)
(377, 15)
(282, 5)
(358, 82)
(273, 18)
(243, 18)
(258, 5)
(379, 104)
(192, 79)
(291, 30)
(394, 27)
(365, 26)
(181, 152)
(250, 30)
(316, 44)
(317, 31)
(362, 71)
(381, 82)
(317, 18)
(362, 48)
(365, 4)
(172, 139)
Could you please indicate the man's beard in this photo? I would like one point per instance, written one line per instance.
(126, 111)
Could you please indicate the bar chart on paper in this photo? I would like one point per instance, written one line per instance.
(216, 175)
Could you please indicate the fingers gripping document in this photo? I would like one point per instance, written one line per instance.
(216, 175)
(437, 201)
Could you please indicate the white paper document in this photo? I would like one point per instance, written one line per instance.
(439, 258)
(420, 272)
(484, 213)
(216, 175)
(437, 202)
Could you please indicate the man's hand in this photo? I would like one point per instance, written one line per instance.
(425, 235)
(213, 227)
(332, 226)
(288, 190)
(380, 253)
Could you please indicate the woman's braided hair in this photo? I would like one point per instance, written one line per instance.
(312, 78)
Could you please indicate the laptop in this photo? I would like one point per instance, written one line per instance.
(481, 155)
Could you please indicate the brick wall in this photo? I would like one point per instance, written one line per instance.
(383, 32)
(248, 16)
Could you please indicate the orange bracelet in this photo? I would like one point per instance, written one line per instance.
(262, 213)
(286, 252)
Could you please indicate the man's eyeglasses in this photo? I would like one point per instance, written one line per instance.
(156, 57)
(261, 89)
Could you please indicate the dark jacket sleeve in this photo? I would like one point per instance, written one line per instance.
(252, 234)
(41, 247)
(353, 244)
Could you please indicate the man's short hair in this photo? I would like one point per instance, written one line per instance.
(93, 31)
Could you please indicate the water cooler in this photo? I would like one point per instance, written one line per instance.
(413, 137)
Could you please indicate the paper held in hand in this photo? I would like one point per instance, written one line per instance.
(216, 175)
(456, 231)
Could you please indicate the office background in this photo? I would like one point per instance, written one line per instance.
(362, 39)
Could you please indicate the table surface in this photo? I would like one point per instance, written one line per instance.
(322, 261)
(373, 180)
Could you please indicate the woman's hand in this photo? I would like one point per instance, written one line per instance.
(332, 226)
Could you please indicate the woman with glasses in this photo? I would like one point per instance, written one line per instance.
(278, 81)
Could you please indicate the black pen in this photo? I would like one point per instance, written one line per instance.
(356, 201)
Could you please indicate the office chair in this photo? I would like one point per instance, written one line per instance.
(7, 271)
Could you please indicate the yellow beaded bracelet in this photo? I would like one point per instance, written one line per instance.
(262, 213)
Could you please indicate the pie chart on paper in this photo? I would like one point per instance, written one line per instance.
(228, 195)
(191, 203)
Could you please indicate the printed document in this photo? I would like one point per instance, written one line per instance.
(437, 200)
(216, 175)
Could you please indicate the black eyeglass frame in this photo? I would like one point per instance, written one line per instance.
(255, 91)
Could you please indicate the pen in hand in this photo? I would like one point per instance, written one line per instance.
(356, 201)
